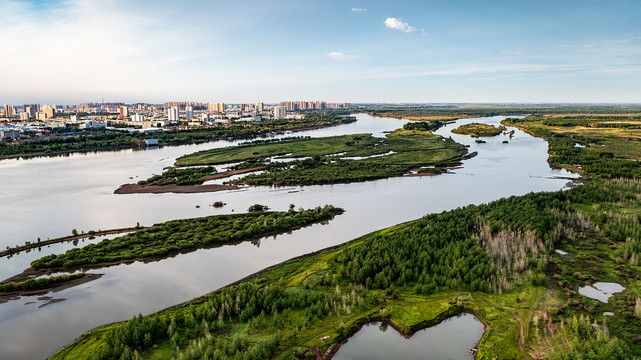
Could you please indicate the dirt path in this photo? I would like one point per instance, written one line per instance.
(522, 328)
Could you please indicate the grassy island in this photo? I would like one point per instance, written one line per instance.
(477, 129)
(172, 236)
(337, 159)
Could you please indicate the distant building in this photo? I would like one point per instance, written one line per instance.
(216, 107)
(280, 112)
(9, 134)
(8, 110)
(49, 112)
(151, 142)
(92, 124)
(259, 107)
(189, 112)
(124, 111)
(204, 117)
(31, 111)
(173, 114)
(138, 117)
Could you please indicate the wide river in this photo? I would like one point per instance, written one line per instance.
(47, 197)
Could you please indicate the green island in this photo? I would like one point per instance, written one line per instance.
(477, 130)
(172, 236)
(39, 283)
(106, 139)
(338, 159)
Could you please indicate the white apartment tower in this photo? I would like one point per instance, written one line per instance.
(280, 112)
(189, 112)
(173, 114)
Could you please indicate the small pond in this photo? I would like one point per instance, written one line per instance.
(450, 339)
(601, 290)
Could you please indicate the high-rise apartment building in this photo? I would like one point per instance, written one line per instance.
(8, 110)
(49, 112)
(138, 117)
(259, 107)
(124, 111)
(216, 107)
(189, 112)
(31, 111)
(173, 113)
(280, 112)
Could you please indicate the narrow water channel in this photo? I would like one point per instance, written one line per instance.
(48, 197)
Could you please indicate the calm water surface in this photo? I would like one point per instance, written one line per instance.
(449, 340)
(48, 197)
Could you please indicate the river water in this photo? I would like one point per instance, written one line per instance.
(48, 197)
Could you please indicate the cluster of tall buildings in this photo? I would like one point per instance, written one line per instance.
(29, 112)
(142, 113)
(312, 105)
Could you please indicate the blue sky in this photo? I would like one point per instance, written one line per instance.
(363, 51)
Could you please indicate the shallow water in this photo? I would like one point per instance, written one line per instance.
(48, 197)
(450, 339)
(601, 291)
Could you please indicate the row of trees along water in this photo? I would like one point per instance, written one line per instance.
(171, 236)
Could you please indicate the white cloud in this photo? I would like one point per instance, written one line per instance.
(398, 24)
(359, 9)
(337, 55)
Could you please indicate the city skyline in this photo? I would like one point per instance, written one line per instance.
(79, 51)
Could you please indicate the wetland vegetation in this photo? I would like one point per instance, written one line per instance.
(338, 159)
(495, 260)
(172, 236)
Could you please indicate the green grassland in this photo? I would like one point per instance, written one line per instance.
(332, 160)
(477, 129)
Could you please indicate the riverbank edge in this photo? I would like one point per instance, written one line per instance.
(20, 248)
(127, 147)
(14, 295)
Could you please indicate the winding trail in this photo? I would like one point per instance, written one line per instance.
(521, 323)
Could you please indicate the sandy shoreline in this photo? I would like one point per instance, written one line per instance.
(172, 188)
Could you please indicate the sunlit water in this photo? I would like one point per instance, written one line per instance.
(48, 197)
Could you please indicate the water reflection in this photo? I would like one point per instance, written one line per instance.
(450, 339)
